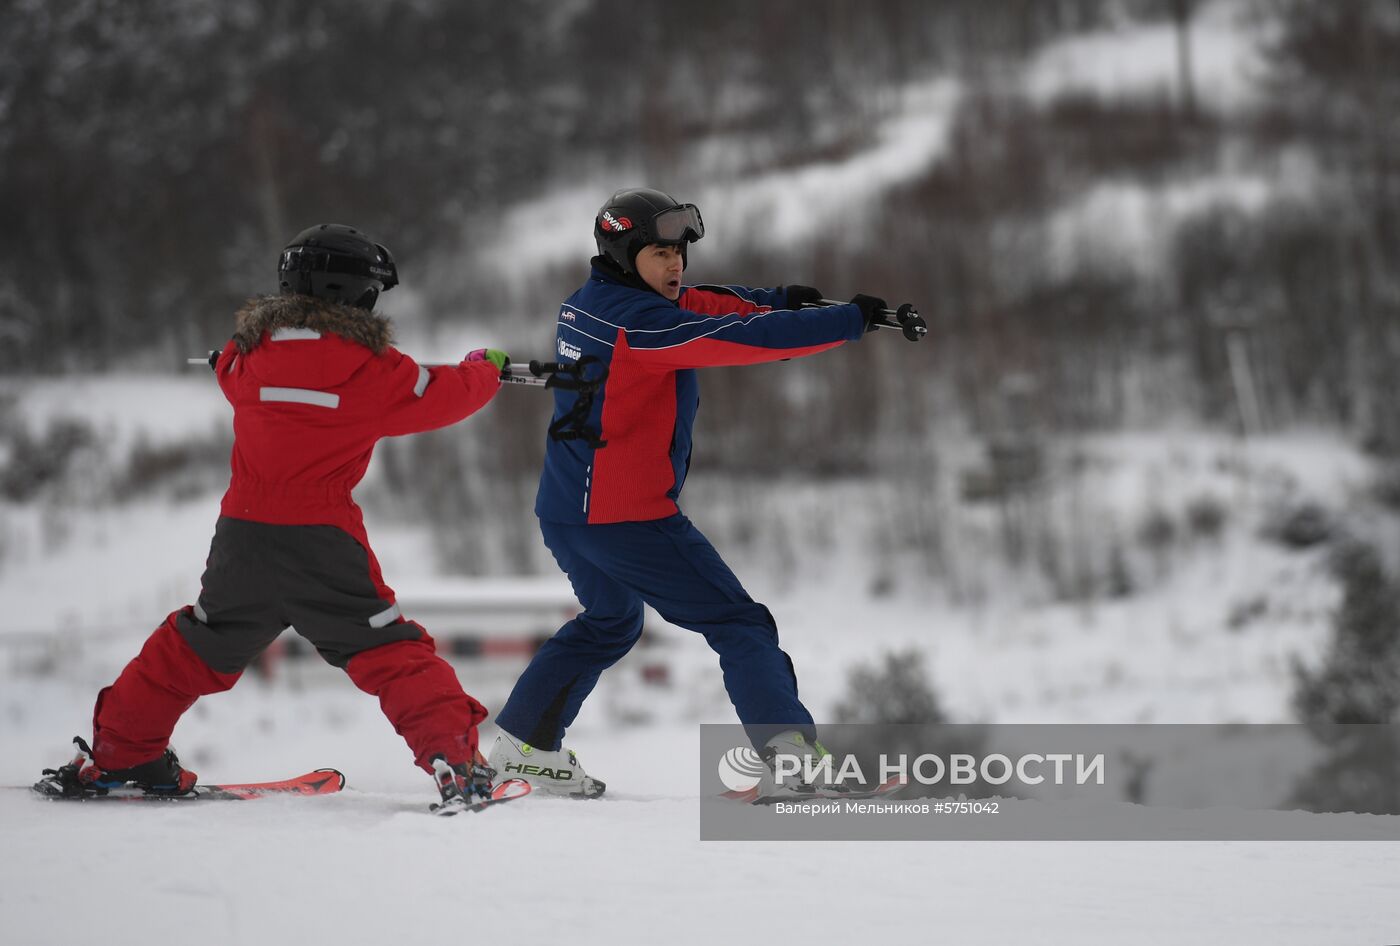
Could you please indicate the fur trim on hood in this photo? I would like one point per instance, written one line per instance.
(267, 313)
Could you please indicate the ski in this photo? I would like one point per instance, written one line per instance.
(509, 790)
(749, 796)
(318, 782)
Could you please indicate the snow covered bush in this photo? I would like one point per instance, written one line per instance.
(1359, 680)
(896, 690)
(36, 461)
(1206, 516)
(1301, 526)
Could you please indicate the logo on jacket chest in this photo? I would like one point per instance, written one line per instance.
(569, 351)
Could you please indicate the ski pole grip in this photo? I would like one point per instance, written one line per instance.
(208, 359)
(910, 322)
(541, 368)
(905, 318)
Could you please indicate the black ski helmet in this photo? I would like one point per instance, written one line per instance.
(339, 263)
(633, 219)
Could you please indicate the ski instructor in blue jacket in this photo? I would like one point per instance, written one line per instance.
(614, 467)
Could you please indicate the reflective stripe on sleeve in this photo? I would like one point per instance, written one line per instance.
(424, 376)
(199, 614)
(299, 396)
(385, 618)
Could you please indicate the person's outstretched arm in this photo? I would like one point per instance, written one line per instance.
(416, 398)
(716, 326)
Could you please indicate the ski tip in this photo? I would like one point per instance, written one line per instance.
(511, 788)
(337, 780)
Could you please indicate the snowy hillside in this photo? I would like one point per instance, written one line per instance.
(1206, 635)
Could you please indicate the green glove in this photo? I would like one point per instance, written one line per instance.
(494, 355)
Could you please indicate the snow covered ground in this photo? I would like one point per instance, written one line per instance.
(370, 866)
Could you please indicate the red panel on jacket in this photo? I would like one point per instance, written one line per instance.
(632, 475)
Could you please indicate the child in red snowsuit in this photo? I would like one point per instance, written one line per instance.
(314, 382)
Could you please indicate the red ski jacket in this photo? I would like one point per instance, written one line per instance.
(314, 385)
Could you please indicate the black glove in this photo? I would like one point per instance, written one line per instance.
(214, 360)
(870, 307)
(797, 296)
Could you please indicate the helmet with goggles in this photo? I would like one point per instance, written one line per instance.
(631, 220)
(337, 263)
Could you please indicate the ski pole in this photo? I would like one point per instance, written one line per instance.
(540, 374)
(905, 318)
(520, 374)
(205, 361)
(552, 374)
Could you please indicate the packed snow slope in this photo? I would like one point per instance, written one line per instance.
(371, 866)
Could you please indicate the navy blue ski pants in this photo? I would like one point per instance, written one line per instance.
(668, 564)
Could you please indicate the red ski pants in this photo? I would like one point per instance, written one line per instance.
(418, 691)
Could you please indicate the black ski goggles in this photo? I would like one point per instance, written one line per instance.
(313, 259)
(678, 225)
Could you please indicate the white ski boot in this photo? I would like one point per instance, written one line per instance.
(556, 773)
(796, 754)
